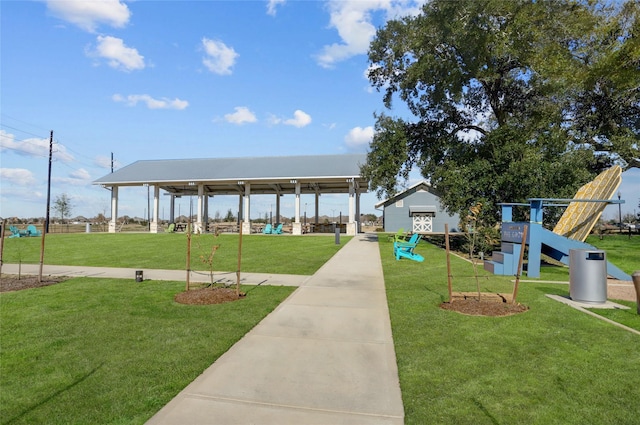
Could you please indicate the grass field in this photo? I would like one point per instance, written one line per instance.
(260, 253)
(550, 365)
(106, 351)
(100, 351)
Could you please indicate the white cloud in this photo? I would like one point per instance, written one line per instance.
(353, 21)
(152, 103)
(69, 181)
(272, 5)
(79, 177)
(88, 14)
(300, 119)
(220, 58)
(105, 162)
(18, 176)
(81, 174)
(117, 54)
(330, 126)
(33, 147)
(359, 137)
(242, 115)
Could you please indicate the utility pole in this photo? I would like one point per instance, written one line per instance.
(46, 218)
(620, 211)
(111, 162)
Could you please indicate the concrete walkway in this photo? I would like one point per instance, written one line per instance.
(323, 356)
(155, 274)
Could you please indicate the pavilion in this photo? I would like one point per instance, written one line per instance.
(278, 175)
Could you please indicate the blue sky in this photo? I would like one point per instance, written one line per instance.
(183, 79)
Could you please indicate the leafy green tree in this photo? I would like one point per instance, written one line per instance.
(62, 205)
(511, 99)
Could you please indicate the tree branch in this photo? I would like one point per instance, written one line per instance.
(471, 127)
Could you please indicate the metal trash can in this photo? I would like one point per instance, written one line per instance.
(588, 276)
(139, 276)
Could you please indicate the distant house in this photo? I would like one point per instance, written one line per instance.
(416, 210)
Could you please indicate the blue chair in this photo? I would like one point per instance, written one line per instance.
(278, 230)
(406, 249)
(267, 229)
(17, 233)
(32, 231)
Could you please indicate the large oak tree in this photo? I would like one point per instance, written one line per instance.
(509, 99)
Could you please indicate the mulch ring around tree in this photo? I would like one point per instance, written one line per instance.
(473, 307)
(205, 296)
(13, 282)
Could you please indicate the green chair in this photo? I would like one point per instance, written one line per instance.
(400, 236)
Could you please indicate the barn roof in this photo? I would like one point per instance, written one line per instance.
(421, 185)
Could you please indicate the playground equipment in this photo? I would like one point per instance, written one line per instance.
(582, 213)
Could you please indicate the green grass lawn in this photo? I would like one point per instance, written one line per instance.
(621, 251)
(260, 253)
(98, 351)
(550, 365)
(106, 351)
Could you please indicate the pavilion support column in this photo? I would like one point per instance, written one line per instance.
(172, 209)
(153, 226)
(277, 208)
(246, 214)
(240, 208)
(358, 215)
(296, 227)
(197, 228)
(317, 208)
(206, 213)
(351, 224)
(114, 209)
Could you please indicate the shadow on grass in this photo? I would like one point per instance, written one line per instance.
(485, 411)
(54, 395)
(554, 290)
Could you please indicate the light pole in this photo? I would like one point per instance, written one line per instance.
(333, 219)
(620, 211)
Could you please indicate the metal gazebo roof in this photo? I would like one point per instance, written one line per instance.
(220, 176)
